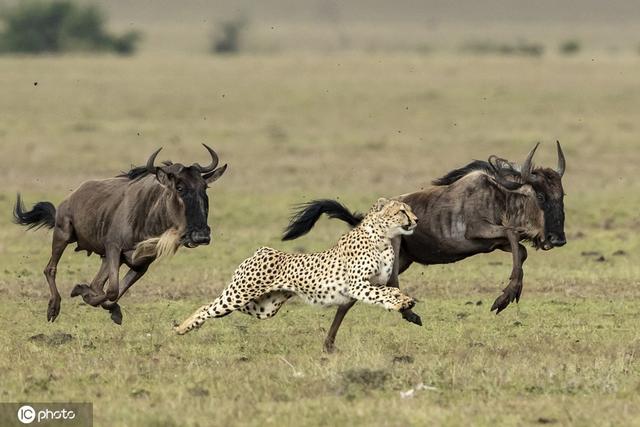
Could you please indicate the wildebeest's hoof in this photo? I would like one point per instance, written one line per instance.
(79, 289)
(502, 301)
(509, 294)
(410, 316)
(116, 314)
(53, 309)
(329, 347)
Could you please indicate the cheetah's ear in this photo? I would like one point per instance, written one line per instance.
(379, 204)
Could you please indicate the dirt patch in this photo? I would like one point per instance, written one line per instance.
(140, 393)
(55, 339)
(38, 384)
(597, 256)
(403, 359)
(590, 253)
(198, 392)
(369, 378)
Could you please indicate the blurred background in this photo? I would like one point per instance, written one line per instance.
(358, 25)
(245, 26)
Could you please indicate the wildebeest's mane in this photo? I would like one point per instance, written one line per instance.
(139, 171)
(134, 173)
(494, 167)
(456, 174)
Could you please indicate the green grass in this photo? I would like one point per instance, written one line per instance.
(355, 126)
(557, 359)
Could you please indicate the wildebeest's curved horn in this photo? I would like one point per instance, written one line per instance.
(501, 165)
(509, 185)
(527, 165)
(214, 161)
(150, 167)
(561, 161)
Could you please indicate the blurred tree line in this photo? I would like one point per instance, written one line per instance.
(36, 26)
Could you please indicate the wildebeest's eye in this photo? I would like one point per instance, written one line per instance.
(540, 196)
(180, 188)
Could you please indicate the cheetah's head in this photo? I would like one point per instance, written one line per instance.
(398, 216)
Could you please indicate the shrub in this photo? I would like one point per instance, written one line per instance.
(34, 26)
(492, 48)
(570, 47)
(227, 37)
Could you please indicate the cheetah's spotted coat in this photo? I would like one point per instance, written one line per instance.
(357, 268)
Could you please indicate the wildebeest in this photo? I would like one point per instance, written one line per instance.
(478, 208)
(133, 219)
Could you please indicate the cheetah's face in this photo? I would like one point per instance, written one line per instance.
(400, 218)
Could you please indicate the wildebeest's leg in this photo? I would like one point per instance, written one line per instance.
(112, 260)
(494, 232)
(62, 236)
(514, 288)
(96, 284)
(132, 276)
(333, 330)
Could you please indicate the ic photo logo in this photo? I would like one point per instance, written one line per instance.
(27, 415)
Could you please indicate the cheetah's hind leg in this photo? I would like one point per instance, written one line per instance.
(267, 305)
(236, 296)
(194, 321)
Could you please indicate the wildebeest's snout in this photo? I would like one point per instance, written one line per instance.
(201, 237)
(557, 239)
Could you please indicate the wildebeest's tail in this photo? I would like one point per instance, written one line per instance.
(43, 214)
(305, 218)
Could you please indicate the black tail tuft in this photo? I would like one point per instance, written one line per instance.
(308, 213)
(43, 214)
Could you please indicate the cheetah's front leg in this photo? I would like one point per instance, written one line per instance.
(389, 298)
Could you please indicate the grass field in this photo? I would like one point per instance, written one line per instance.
(356, 126)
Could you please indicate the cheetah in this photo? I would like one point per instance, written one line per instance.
(357, 268)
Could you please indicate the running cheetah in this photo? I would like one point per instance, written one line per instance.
(357, 268)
